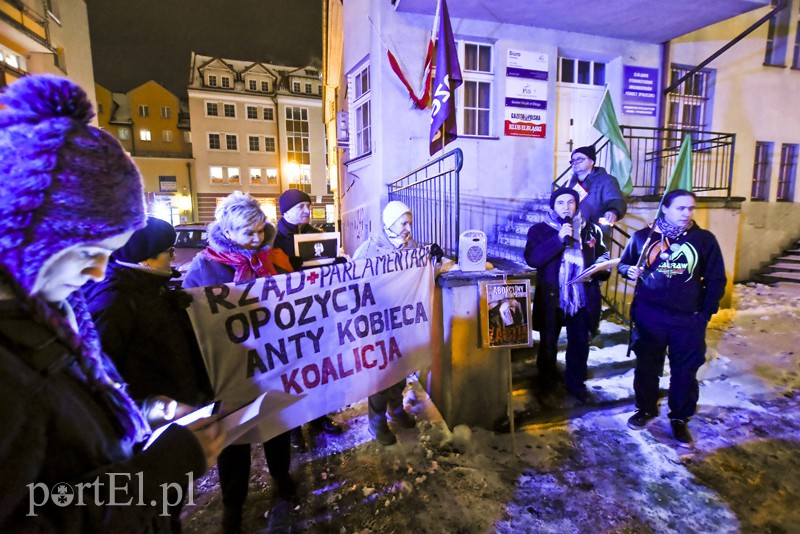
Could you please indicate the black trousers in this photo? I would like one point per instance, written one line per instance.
(233, 466)
(684, 337)
(391, 398)
(577, 356)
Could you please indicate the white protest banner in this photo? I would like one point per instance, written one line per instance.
(317, 339)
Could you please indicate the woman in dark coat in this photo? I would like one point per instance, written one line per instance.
(143, 324)
(69, 196)
(559, 249)
(238, 250)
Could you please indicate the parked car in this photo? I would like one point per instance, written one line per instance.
(192, 238)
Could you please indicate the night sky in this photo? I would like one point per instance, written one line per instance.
(139, 40)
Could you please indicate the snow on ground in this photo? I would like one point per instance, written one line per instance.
(583, 473)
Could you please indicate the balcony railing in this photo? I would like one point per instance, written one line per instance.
(432, 193)
(23, 18)
(654, 152)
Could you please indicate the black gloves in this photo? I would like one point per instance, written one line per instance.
(340, 259)
(436, 252)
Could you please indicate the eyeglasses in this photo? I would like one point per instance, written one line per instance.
(171, 251)
(577, 161)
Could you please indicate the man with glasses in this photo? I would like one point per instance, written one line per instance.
(601, 199)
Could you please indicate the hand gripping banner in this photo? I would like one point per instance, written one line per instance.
(315, 340)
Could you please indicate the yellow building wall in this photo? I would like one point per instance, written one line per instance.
(156, 97)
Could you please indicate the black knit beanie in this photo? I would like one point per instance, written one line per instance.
(563, 190)
(155, 238)
(291, 198)
(587, 151)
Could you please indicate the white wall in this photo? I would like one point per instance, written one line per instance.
(500, 168)
(757, 103)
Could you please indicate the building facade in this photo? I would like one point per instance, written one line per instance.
(575, 50)
(257, 127)
(45, 36)
(152, 124)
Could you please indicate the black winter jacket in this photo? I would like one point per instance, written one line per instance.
(53, 429)
(146, 331)
(604, 195)
(284, 240)
(543, 251)
(691, 280)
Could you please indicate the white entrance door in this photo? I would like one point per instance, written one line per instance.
(575, 107)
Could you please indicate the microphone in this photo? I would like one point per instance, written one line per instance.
(568, 241)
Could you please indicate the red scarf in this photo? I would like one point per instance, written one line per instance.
(248, 267)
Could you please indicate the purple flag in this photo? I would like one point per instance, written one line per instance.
(445, 82)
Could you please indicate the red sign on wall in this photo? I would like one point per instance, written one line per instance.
(525, 129)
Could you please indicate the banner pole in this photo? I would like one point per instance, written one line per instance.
(510, 407)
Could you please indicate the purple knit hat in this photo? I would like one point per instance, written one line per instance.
(62, 181)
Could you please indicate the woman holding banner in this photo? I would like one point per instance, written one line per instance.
(239, 250)
(71, 434)
(395, 236)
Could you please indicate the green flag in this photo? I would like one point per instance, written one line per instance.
(682, 171)
(619, 157)
(681, 177)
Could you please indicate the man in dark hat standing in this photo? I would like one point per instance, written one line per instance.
(295, 219)
(559, 249)
(600, 194)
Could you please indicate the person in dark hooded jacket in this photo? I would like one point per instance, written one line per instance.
(134, 303)
(239, 250)
(679, 283)
(559, 249)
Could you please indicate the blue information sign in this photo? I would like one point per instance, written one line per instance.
(639, 95)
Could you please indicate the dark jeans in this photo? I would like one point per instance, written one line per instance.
(684, 337)
(391, 398)
(578, 337)
(233, 466)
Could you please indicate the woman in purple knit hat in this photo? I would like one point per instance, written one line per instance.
(70, 436)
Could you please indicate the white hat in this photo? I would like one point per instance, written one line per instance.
(393, 211)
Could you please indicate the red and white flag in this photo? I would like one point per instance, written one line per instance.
(420, 92)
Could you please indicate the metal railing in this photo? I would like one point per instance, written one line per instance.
(19, 15)
(617, 291)
(654, 152)
(432, 193)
